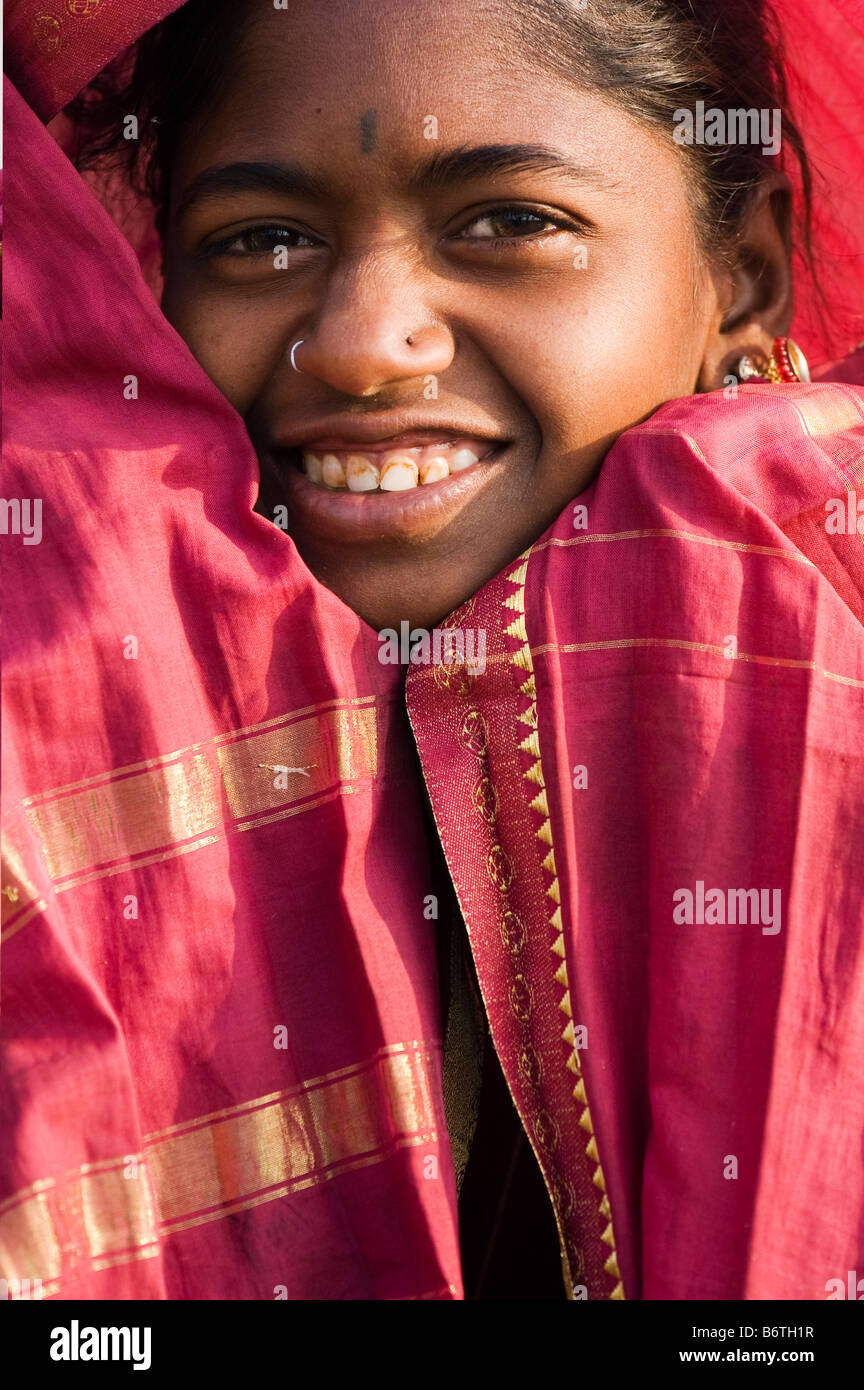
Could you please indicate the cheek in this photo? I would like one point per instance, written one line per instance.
(239, 343)
(595, 359)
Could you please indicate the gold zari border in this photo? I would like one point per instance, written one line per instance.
(534, 784)
(169, 806)
(105, 1214)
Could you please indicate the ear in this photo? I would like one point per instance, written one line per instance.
(754, 294)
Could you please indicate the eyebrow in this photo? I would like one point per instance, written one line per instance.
(482, 161)
(460, 165)
(290, 180)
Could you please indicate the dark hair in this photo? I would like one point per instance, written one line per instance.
(652, 57)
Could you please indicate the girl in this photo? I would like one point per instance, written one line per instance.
(454, 328)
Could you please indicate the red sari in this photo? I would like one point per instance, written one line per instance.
(221, 1071)
(694, 1092)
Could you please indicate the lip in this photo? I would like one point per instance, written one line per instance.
(357, 431)
(414, 439)
(345, 518)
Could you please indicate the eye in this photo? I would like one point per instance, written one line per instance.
(508, 224)
(262, 240)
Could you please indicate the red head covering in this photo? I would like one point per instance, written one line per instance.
(53, 50)
(825, 70)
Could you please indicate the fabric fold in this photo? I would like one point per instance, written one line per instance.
(673, 715)
(220, 987)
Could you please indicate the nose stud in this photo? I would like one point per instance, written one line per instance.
(300, 341)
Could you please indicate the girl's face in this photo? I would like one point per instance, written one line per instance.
(479, 260)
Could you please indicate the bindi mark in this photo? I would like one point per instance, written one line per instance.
(368, 131)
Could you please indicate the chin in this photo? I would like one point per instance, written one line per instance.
(387, 598)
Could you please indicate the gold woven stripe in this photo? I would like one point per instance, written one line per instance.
(169, 807)
(230, 736)
(669, 533)
(17, 893)
(104, 1214)
(622, 643)
(828, 409)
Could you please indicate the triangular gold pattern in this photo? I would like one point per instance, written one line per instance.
(535, 774)
(517, 629)
(517, 576)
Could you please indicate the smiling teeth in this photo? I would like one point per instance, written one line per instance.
(313, 468)
(399, 473)
(361, 474)
(396, 471)
(434, 469)
(463, 458)
(332, 471)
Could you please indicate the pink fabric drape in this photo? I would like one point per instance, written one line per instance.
(52, 52)
(220, 1073)
(222, 1026)
(674, 696)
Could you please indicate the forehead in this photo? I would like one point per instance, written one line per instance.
(392, 81)
(376, 34)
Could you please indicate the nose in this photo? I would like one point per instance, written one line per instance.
(372, 331)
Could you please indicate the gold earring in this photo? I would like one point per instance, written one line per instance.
(787, 363)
